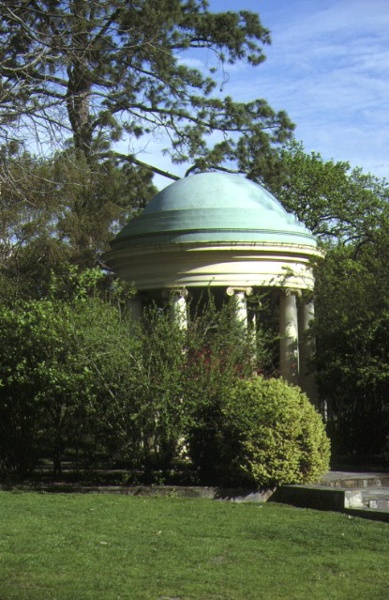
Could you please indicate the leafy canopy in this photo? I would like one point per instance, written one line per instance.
(111, 70)
(339, 204)
(351, 331)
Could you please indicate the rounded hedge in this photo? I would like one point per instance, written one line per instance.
(281, 437)
(263, 432)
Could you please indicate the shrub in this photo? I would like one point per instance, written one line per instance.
(281, 436)
(266, 433)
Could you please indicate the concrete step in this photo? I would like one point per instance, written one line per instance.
(373, 497)
(373, 514)
(355, 480)
(370, 490)
(359, 494)
(376, 498)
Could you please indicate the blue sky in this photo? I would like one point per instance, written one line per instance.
(328, 68)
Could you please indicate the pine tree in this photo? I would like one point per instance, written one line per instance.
(107, 70)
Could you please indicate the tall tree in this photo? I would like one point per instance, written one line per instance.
(351, 330)
(348, 211)
(61, 210)
(110, 70)
(339, 204)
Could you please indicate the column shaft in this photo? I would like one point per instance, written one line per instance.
(241, 308)
(239, 295)
(136, 308)
(178, 308)
(289, 355)
(307, 374)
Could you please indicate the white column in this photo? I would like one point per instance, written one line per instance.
(178, 307)
(135, 308)
(306, 315)
(239, 295)
(289, 354)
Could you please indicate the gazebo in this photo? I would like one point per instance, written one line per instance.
(223, 232)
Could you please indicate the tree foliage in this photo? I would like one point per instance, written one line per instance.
(79, 378)
(61, 210)
(108, 70)
(85, 87)
(351, 330)
(348, 212)
(337, 203)
(61, 362)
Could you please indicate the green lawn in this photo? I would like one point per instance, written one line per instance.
(115, 547)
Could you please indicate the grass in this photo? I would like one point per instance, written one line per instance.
(79, 547)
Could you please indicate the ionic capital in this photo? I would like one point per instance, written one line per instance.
(292, 292)
(180, 292)
(231, 291)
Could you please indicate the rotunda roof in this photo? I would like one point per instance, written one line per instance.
(213, 207)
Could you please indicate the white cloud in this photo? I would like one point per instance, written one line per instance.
(192, 63)
(328, 67)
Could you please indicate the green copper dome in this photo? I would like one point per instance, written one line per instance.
(213, 207)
